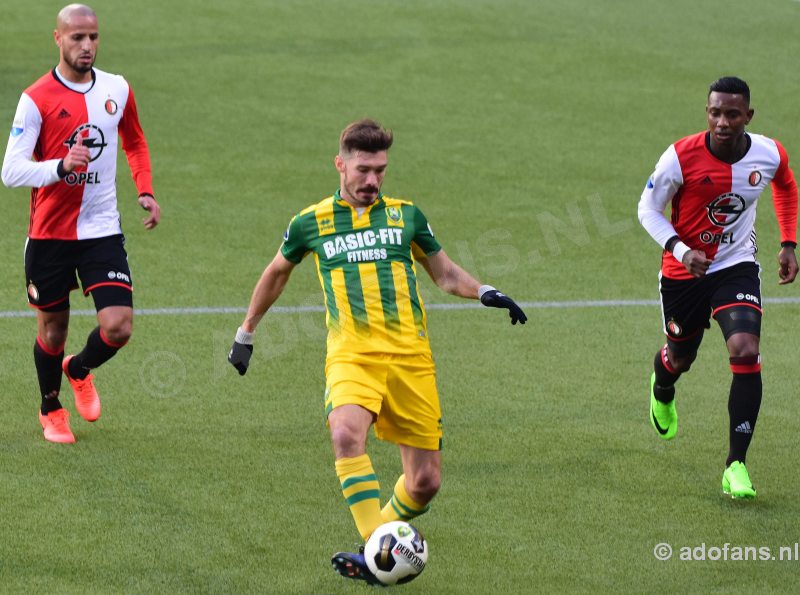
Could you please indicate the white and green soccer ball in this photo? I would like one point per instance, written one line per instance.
(396, 553)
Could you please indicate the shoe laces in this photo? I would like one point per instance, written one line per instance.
(84, 386)
(59, 420)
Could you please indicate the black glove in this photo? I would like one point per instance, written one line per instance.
(495, 299)
(240, 353)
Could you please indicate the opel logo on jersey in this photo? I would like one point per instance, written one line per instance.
(755, 178)
(725, 209)
(93, 139)
(111, 107)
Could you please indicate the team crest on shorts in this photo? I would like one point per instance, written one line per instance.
(755, 178)
(674, 328)
(394, 216)
(111, 107)
(33, 292)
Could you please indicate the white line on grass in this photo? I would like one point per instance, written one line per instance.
(461, 306)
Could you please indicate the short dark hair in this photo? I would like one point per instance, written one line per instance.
(730, 84)
(365, 135)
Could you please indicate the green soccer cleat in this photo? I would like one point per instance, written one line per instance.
(736, 482)
(663, 416)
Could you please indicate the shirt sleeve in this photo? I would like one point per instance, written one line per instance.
(135, 147)
(660, 189)
(784, 196)
(423, 235)
(19, 169)
(294, 246)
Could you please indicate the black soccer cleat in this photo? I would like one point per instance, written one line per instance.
(354, 566)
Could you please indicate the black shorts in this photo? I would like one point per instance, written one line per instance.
(53, 267)
(689, 304)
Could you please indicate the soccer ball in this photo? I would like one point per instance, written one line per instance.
(396, 553)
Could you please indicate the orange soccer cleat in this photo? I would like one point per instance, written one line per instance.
(87, 401)
(56, 426)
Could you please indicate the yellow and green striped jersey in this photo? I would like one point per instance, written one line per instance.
(367, 271)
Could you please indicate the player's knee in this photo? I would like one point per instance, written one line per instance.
(425, 485)
(743, 345)
(117, 332)
(54, 337)
(682, 363)
(347, 441)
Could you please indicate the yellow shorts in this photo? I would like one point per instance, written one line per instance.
(399, 389)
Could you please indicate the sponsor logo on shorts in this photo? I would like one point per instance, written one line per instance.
(747, 296)
(118, 276)
(755, 178)
(674, 328)
(17, 130)
(33, 292)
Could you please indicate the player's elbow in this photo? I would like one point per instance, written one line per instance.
(647, 215)
(7, 176)
(447, 283)
(642, 213)
(13, 173)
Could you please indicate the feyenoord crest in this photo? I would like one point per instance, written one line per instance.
(726, 208)
(33, 293)
(111, 106)
(755, 178)
(674, 328)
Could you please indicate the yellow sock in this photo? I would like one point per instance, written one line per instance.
(362, 492)
(400, 506)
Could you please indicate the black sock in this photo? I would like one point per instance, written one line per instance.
(743, 405)
(664, 388)
(96, 353)
(48, 370)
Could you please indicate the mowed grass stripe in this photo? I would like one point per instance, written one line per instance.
(461, 306)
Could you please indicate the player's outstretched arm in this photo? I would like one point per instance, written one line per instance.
(266, 292)
(788, 265)
(451, 278)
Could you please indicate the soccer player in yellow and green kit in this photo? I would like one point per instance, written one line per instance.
(379, 369)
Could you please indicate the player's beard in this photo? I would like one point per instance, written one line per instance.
(352, 191)
(81, 67)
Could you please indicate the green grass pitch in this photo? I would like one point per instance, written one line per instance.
(525, 130)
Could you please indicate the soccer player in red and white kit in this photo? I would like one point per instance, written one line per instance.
(63, 144)
(712, 180)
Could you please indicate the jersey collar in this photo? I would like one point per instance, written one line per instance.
(710, 152)
(64, 83)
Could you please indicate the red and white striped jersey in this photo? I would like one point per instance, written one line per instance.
(714, 203)
(49, 118)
